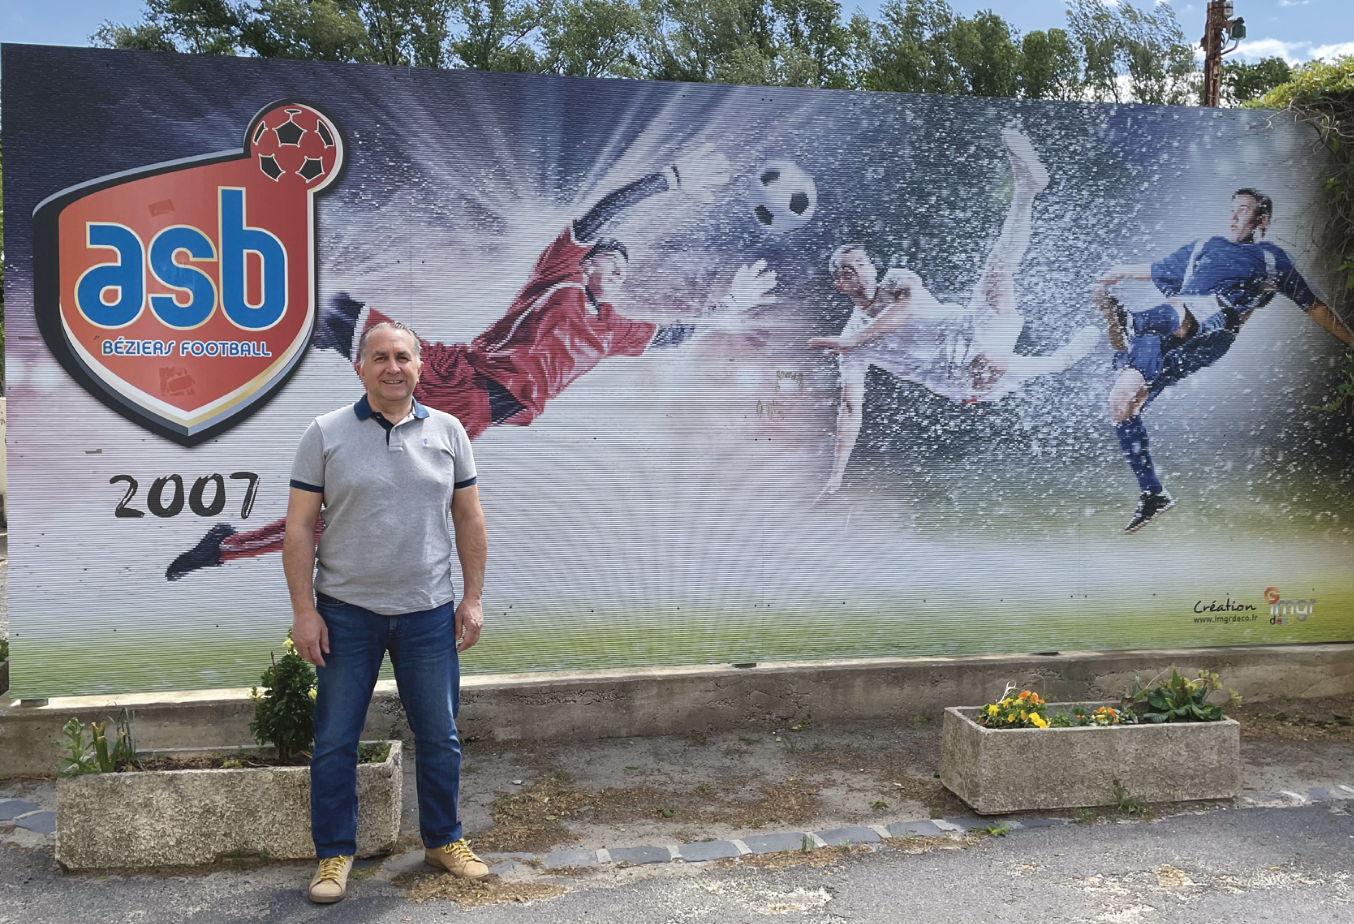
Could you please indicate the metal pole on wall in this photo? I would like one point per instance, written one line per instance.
(1219, 20)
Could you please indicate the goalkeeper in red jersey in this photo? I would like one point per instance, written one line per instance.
(560, 326)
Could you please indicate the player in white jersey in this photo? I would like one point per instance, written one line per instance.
(962, 352)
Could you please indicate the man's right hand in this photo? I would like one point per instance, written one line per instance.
(310, 635)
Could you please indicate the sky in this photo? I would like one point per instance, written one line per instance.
(1298, 30)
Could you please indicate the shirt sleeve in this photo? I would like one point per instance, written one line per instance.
(463, 472)
(1290, 281)
(628, 338)
(1169, 274)
(307, 470)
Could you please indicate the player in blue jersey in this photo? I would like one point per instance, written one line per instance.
(1212, 287)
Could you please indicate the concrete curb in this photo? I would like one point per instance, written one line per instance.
(955, 828)
(624, 704)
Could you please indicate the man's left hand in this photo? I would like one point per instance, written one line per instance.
(699, 172)
(469, 622)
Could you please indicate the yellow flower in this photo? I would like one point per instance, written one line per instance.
(1038, 721)
(289, 645)
(992, 710)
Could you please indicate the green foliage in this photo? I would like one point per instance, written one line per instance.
(1125, 803)
(1079, 716)
(1343, 402)
(1321, 94)
(1133, 55)
(1243, 81)
(1108, 51)
(4, 649)
(1177, 699)
(284, 713)
(373, 752)
(95, 755)
(995, 829)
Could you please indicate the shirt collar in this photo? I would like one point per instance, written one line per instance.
(364, 412)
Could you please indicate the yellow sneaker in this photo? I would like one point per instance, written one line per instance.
(458, 859)
(331, 880)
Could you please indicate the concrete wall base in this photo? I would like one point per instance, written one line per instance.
(1034, 769)
(619, 704)
(190, 817)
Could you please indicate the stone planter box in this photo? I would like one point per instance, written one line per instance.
(190, 817)
(1014, 770)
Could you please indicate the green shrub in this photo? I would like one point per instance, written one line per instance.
(284, 713)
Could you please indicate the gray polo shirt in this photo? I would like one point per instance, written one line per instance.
(387, 543)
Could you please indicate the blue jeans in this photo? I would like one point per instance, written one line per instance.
(422, 650)
(1164, 359)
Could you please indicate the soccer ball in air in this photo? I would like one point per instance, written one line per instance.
(783, 196)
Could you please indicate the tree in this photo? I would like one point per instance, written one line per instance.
(1049, 66)
(910, 49)
(496, 35)
(196, 26)
(324, 30)
(985, 55)
(590, 38)
(1243, 82)
(1129, 55)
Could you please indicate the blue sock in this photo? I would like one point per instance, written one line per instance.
(1133, 439)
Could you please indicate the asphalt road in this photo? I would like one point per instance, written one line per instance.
(1237, 865)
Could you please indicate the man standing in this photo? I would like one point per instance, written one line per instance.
(387, 471)
(1213, 286)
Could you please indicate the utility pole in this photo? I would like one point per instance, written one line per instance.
(1218, 22)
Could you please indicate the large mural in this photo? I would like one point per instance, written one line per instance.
(753, 374)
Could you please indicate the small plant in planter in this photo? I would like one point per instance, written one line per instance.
(1079, 717)
(96, 756)
(1177, 699)
(284, 713)
(1025, 709)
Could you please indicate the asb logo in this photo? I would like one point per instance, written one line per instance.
(183, 294)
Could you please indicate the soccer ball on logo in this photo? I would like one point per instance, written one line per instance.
(292, 143)
(783, 196)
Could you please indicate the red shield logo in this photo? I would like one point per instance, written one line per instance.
(183, 295)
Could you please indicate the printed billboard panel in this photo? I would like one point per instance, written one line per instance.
(752, 373)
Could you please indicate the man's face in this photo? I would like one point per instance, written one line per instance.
(858, 276)
(388, 368)
(604, 274)
(1245, 222)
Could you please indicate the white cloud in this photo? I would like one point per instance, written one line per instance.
(1294, 2)
(1330, 52)
(1292, 52)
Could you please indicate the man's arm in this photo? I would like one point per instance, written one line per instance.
(849, 416)
(1124, 272)
(308, 631)
(472, 548)
(1322, 314)
(696, 173)
(896, 316)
